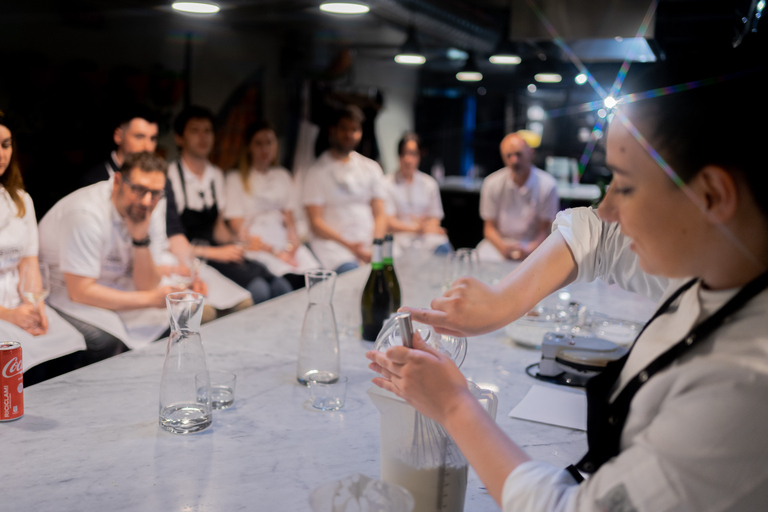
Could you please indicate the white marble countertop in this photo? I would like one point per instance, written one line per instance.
(90, 440)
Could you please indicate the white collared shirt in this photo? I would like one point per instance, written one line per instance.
(197, 189)
(417, 199)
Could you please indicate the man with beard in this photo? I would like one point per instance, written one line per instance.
(344, 194)
(96, 242)
(517, 204)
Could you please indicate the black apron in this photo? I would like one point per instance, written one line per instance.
(198, 224)
(606, 419)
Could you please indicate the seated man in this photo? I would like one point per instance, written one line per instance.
(96, 242)
(137, 130)
(344, 194)
(518, 204)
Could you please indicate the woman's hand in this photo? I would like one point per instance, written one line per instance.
(225, 253)
(28, 317)
(468, 308)
(288, 257)
(255, 243)
(425, 378)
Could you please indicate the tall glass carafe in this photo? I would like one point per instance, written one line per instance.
(319, 342)
(185, 403)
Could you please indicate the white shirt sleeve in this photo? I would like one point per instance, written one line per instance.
(31, 244)
(435, 208)
(235, 196)
(220, 191)
(379, 189)
(602, 251)
(81, 243)
(178, 193)
(490, 197)
(285, 189)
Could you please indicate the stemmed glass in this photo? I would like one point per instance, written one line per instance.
(35, 283)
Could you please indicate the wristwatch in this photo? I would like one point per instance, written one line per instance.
(144, 242)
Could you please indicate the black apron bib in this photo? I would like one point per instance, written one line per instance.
(606, 419)
(198, 224)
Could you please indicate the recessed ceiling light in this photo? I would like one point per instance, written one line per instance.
(412, 59)
(469, 76)
(580, 79)
(609, 102)
(505, 59)
(531, 87)
(196, 7)
(547, 78)
(344, 8)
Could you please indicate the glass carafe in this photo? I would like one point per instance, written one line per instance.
(319, 342)
(185, 403)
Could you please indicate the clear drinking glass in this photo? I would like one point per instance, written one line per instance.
(185, 402)
(34, 283)
(319, 342)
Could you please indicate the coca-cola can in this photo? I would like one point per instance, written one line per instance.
(11, 381)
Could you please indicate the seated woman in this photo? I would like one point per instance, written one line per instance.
(201, 200)
(414, 209)
(259, 206)
(45, 337)
(678, 424)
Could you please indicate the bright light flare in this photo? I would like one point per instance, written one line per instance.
(509, 60)
(580, 79)
(196, 7)
(609, 102)
(344, 8)
(547, 78)
(411, 59)
(469, 76)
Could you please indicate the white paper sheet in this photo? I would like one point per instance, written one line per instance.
(559, 407)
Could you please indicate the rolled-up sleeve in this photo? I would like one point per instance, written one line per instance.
(601, 251)
(536, 486)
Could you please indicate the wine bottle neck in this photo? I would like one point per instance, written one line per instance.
(376, 260)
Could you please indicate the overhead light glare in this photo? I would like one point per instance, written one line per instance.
(531, 87)
(609, 102)
(547, 78)
(469, 76)
(410, 59)
(410, 52)
(505, 59)
(196, 7)
(344, 8)
(580, 79)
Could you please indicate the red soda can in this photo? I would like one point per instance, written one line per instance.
(11, 381)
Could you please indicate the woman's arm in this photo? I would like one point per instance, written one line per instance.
(471, 307)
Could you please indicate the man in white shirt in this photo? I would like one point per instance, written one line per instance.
(517, 204)
(96, 242)
(344, 194)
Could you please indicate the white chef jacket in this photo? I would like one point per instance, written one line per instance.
(694, 439)
(199, 192)
(412, 201)
(516, 210)
(345, 191)
(18, 240)
(84, 235)
(263, 208)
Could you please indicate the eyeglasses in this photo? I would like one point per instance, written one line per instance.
(142, 191)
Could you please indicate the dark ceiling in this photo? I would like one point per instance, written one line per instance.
(679, 27)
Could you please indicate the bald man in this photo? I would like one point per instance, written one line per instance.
(517, 204)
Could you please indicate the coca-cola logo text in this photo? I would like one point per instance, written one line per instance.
(12, 367)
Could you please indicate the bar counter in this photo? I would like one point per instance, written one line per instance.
(90, 439)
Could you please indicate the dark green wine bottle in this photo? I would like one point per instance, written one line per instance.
(389, 272)
(376, 304)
